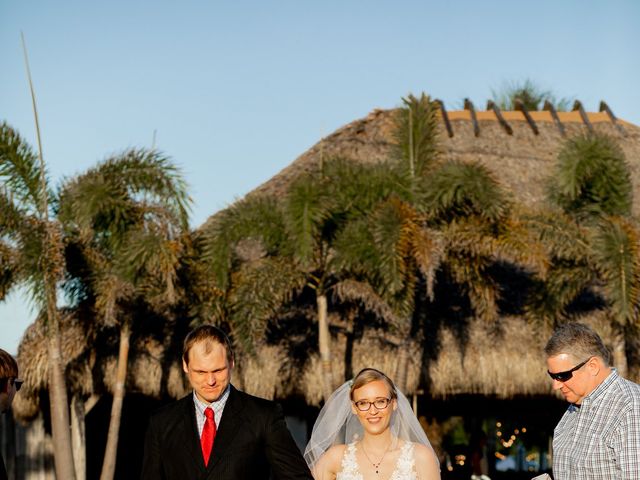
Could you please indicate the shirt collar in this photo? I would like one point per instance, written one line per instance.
(221, 401)
(600, 389)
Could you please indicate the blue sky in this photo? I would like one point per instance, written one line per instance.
(235, 91)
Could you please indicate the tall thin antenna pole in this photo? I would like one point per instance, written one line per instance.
(153, 140)
(45, 206)
(411, 160)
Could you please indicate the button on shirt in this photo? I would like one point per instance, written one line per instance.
(217, 406)
(600, 439)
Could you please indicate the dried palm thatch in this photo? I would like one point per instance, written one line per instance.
(373, 351)
(522, 160)
(500, 362)
(155, 370)
(34, 362)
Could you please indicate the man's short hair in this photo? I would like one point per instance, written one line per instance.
(578, 340)
(206, 333)
(8, 368)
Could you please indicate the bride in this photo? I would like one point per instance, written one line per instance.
(367, 431)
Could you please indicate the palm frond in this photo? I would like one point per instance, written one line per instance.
(149, 175)
(350, 290)
(259, 218)
(9, 268)
(357, 188)
(19, 170)
(308, 207)
(258, 292)
(416, 135)
(391, 227)
(559, 234)
(616, 249)
(592, 178)
(458, 189)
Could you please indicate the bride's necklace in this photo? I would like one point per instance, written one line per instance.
(376, 466)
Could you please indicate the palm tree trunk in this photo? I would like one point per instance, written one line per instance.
(324, 345)
(60, 431)
(402, 366)
(78, 437)
(620, 351)
(111, 451)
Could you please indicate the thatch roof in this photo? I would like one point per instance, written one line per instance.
(155, 368)
(502, 362)
(522, 160)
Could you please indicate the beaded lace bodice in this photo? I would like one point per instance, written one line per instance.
(404, 470)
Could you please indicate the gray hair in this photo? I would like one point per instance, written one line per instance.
(579, 341)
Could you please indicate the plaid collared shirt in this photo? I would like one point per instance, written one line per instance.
(600, 439)
(217, 406)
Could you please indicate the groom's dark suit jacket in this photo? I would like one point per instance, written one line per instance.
(252, 442)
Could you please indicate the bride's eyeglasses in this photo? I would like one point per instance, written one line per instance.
(379, 403)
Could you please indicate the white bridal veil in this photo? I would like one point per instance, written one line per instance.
(337, 424)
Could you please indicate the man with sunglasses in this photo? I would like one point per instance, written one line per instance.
(9, 385)
(598, 437)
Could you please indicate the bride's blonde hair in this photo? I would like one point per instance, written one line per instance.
(368, 375)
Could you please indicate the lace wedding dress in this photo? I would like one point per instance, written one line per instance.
(404, 470)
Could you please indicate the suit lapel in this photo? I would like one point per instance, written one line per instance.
(189, 429)
(230, 423)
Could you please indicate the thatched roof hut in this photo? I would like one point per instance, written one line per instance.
(519, 147)
(520, 157)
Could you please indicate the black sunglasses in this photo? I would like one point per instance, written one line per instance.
(18, 383)
(566, 376)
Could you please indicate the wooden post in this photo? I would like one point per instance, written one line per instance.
(552, 110)
(468, 105)
(503, 122)
(605, 108)
(519, 106)
(445, 117)
(577, 105)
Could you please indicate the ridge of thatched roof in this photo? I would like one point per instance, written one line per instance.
(521, 160)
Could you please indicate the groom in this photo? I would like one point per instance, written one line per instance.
(218, 432)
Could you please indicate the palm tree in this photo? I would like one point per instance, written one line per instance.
(127, 218)
(31, 245)
(294, 239)
(594, 241)
(463, 222)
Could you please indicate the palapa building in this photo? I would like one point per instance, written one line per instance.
(478, 362)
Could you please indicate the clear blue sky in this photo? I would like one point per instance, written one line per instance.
(235, 91)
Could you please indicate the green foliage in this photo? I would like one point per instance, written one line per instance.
(20, 174)
(260, 218)
(615, 249)
(34, 244)
(531, 95)
(591, 178)
(457, 189)
(570, 268)
(259, 292)
(416, 135)
(307, 210)
(126, 218)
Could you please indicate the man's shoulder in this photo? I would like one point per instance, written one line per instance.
(630, 391)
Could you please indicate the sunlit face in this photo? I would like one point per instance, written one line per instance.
(581, 382)
(208, 371)
(375, 420)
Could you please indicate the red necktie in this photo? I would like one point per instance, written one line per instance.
(208, 434)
